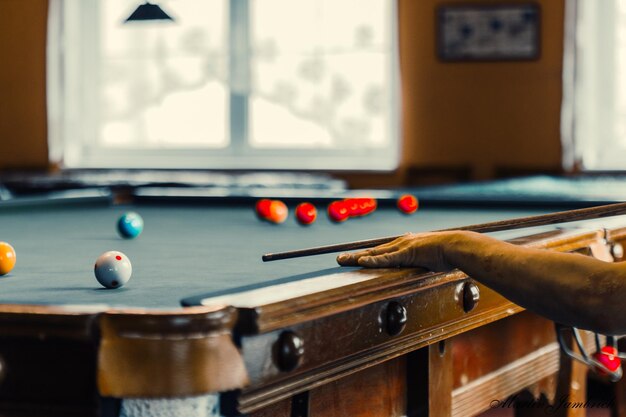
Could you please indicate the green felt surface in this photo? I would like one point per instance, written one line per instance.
(184, 251)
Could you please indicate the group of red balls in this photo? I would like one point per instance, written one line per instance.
(342, 210)
(276, 211)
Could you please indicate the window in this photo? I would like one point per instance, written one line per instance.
(594, 106)
(281, 84)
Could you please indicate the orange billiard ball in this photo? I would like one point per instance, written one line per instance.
(306, 213)
(278, 212)
(7, 258)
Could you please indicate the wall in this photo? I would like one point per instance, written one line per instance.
(22, 84)
(479, 116)
(484, 115)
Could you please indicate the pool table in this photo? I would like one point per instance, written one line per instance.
(205, 328)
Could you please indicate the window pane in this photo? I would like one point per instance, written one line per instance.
(620, 64)
(321, 73)
(162, 84)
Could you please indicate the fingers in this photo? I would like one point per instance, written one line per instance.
(352, 259)
(348, 259)
(415, 250)
(385, 260)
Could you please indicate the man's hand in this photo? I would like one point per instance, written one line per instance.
(568, 288)
(426, 250)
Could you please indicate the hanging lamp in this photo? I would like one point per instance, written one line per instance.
(147, 12)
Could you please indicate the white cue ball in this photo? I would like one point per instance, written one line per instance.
(113, 269)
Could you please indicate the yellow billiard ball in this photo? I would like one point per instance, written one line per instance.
(7, 258)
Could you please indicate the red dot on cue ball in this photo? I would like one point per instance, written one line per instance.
(306, 213)
(338, 211)
(408, 204)
(262, 208)
(278, 212)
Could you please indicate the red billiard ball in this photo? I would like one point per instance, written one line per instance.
(353, 207)
(262, 208)
(367, 205)
(608, 357)
(306, 213)
(408, 204)
(338, 211)
(278, 212)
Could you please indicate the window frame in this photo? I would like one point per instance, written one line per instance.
(70, 122)
(589, 88)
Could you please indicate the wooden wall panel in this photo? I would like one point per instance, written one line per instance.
(23, 84)
(484, 115)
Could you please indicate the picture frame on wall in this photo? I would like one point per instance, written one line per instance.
(479, 32)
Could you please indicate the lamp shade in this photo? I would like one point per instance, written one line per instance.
(148, 11)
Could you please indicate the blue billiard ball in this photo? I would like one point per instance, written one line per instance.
(130, 225)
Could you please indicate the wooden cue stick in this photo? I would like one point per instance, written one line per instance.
(511, 224)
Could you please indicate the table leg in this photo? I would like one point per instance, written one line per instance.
(429, 387)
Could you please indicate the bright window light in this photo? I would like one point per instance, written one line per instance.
(594, 105)
(281, 84)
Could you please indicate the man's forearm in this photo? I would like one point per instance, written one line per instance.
(571, 289)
